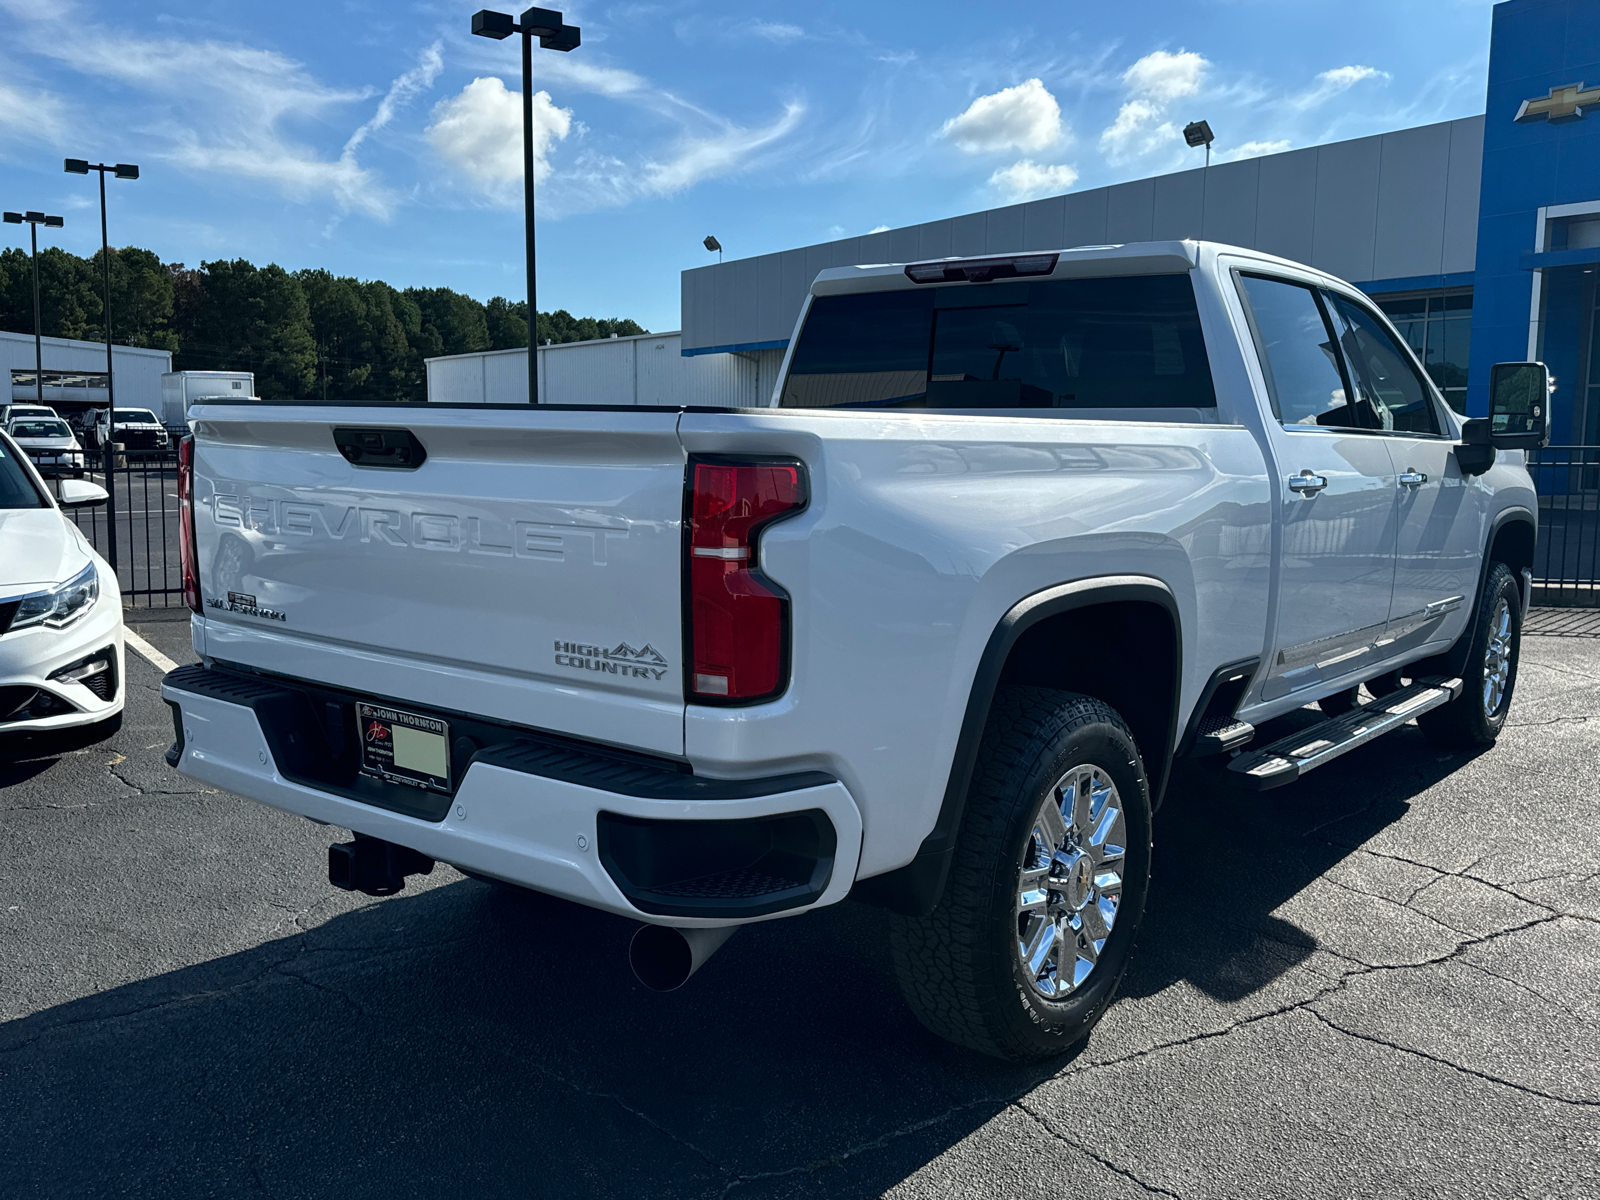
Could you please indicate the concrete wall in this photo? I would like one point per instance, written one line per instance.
(646, 370)
(1396, 210)
(137, 372)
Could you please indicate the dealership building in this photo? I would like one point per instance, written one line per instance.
(1480, 237)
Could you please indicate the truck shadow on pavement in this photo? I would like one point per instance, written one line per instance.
(466, 1039)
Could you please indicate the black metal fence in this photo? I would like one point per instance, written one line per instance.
(137, 529)
(1566, 564)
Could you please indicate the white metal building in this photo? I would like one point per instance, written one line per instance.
(75, 372)
(649, 369)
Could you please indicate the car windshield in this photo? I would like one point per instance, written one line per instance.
(137, 416)
(16, 488)
(40, 429)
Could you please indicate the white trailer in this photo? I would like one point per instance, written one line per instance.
(180, 389)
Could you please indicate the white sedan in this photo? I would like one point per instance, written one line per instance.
(49, 442)
(61, 656)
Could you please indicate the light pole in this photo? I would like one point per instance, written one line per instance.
(712, 244)
(546, 25)
(34, 220)
(79, 166)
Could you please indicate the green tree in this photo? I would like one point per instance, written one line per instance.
(255, 319)
(141, 299)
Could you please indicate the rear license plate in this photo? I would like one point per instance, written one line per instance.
(404, 747)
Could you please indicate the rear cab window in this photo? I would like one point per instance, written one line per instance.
(1108, 343)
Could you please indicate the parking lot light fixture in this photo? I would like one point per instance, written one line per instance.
(34, 220)
(553, 34)
(1198, 133)
(82, 166)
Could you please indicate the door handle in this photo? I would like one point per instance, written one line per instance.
(1412, 478)
(1307, 484)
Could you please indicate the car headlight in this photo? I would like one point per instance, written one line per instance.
(61, 605)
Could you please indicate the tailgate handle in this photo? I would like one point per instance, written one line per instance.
(397, 448)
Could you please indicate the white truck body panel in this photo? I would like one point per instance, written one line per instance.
(180, 389)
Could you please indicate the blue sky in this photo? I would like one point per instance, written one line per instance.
(382, 140)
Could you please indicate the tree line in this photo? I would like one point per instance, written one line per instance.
(304, 333)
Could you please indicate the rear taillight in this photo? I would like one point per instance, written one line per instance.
(738, 619)
(191, 564)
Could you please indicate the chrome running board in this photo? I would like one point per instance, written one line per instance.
(1288, 758)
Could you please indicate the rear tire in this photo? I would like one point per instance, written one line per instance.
(1035, 930)
(1474, 719)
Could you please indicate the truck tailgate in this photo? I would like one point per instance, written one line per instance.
(527, 571)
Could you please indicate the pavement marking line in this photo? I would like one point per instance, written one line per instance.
(148, 652)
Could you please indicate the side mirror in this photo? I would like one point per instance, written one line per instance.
(1519, 406)
(76, 493)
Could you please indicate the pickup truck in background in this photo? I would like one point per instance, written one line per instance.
(930, 630)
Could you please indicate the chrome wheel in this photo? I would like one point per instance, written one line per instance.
(1071, 881)
(1497, 658)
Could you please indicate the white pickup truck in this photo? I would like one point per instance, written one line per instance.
(929, 630)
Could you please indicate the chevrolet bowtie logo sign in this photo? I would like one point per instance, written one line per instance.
(1565, 103)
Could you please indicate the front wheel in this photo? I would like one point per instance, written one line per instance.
(1475, 718)
(1026, 949)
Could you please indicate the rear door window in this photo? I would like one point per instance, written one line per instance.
(1299, 355)
(1131, 342)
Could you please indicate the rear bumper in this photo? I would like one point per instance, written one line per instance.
(538, 820)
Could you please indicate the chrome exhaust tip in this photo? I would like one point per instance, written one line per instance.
(663, 958)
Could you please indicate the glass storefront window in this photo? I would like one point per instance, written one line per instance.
(1438, 326)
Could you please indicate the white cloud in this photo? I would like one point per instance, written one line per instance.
(1026, 180)
(1254, 150)
(776, 32)
(1142, 126)
(719, 153)
(401, 92)
(879, 229)
(223, 107)
(1164, 77)
(1024, 117)
(30, 115)
(480, 131)
(1330, 83)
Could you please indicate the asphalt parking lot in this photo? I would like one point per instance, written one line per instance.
(1380, 982)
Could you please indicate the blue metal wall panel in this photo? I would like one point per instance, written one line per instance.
(1461, 190)
(1176, 211)
(1007, 230)
(1230, 202)
(1130, 211)
(1536, 45)
(1286, 204)
(1411, 203)
(1346, 222)
(1086, 217)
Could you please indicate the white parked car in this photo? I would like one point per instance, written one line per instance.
(61, 657)
(15, 412)
(49, 443)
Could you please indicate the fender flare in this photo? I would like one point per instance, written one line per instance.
(915, 889)
(1453, 660)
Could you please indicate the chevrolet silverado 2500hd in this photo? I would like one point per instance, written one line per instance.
(930, 629)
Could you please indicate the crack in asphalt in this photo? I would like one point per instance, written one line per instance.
(1149, 1188)
(877, 1143)
(1445, 1062)
(1517, 983)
